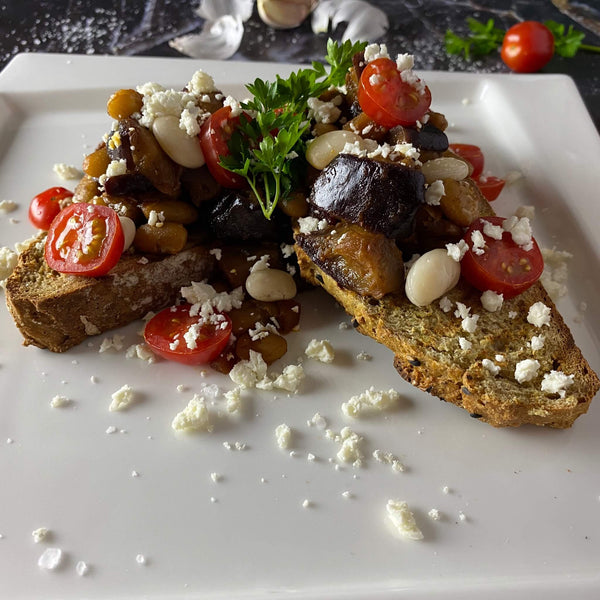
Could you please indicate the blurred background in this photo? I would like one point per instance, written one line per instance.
(235, 29)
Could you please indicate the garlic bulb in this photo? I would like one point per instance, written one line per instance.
(284, 14)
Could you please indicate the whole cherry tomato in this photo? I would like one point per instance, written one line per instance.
(214, 135)
(176, 335)
(84, 239)
(527, 47)
(46, 205)
(502, 266)
(389, 100)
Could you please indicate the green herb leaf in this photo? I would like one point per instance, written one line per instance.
(268, 150)
(482, 39)
(567, 42)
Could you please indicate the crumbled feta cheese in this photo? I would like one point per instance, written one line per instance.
(50, 558)
(539, 314)
(350, 447)
(8, 262)
(141, 351)
(493, 231)
(405, 62)
(537, 342)
(310, 225)
(89, 327)
(389, 459)
(7, 206)
(116, 167)
(491, 301)
(40, 534)
(236, 108)
(364, 356)
(434, 193)
(557, 382)
(464, 343)
(122, 398)
(478, 242)
(194, 416)
(82, 568)
(469, 322)
(526, 370)
(520, 230)
(525, 210)
(116, 342)
(458, 250)
(283, 434)
(374, 51)
(201, 83)
(555, 274)
(369, 401)
(320, 350)
(434, 514)
(233, 400)
(290, 379)
(65, 171)
(205, 300)
(247, 373)
(318, 421)
(488, 364)
(323, 112)
(446, 304)
(59, 401)
(403, 520)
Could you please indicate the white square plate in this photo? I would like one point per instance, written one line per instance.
(530, 497)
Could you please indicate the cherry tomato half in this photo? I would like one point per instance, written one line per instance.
(165, 332)
(490, 186)
(84, 239)
(472, 154)
(527, 47)
(214, 135)
(503, 266)
(387, 99)
(45, 206)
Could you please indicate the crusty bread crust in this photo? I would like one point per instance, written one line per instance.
(425, 342)
(57, 311)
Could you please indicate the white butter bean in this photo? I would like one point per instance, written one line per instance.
(431, 276)
(128, 227)
(269, 285)
(183, 149)
(323, 149)
(445, 167)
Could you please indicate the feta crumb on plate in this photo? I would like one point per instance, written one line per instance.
(194, 416)
(403, 520)
(122, 398)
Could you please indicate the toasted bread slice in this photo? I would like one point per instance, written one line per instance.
(428, 354)
(57, 311)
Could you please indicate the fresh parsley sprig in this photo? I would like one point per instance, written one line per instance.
(568, 41)
(482, 39)
(268, 149)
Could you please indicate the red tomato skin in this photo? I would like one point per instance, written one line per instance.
(388, 100)
(214, 134)
(527, 47)
(63, 232)
(472, 154)
(490, 186)
(46, 205)
(485, 272)
(171, 323)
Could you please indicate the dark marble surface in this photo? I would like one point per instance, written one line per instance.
(144, 27)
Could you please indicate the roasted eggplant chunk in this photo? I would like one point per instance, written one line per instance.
(382, 197)
(238, 217)
(428, 137)
(365, 262)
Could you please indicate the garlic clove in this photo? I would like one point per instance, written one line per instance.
(285, 14)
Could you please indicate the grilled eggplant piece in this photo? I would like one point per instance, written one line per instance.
(426, 138)
(237, 217)
(367, 263)
(382, 197)
(147, 164)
